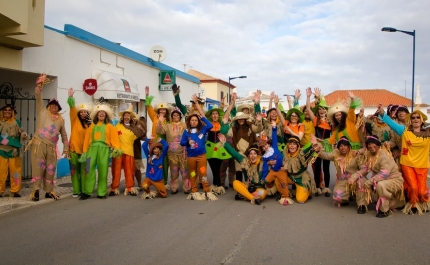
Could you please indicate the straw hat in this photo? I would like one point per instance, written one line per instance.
(129, 110)
(338, 106)
(162, 105)
(104, 107)
(246, 106)
(241, 116)
(153, 145)
(84, 106)
(419, 112)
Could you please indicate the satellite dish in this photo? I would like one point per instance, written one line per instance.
(157, 53)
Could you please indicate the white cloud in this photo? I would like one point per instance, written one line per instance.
(279, 45)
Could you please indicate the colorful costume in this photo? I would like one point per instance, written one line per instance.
(253, 190)
(79, 128)
(44, 150)
(154, 169)
(196, 159)
(11, 134)
(414, 161)
(127, 134)
(100, 138)
(176, 154)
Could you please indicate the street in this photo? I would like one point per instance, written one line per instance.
(129, 230)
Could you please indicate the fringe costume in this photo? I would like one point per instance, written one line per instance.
(154, 170)
(176, 154)
(99, 139)
(347, 167)
(77, 136)
(10, 153)
(253, 189)
(414, 163)
(44, 146)
(386, 180)
(296, 166)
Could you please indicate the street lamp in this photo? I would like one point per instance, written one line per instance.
(231, 78)
(412, 33)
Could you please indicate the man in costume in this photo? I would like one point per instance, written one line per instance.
(11, 134)
(80, 122)
(44, 150)
(128, 131)
(101, 142)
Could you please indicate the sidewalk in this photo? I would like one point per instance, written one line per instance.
(63, 187)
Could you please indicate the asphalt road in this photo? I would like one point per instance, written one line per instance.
(128, 230)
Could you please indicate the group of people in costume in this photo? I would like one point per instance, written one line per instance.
(381, 158)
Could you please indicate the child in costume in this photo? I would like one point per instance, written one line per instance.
(176, 154)
(128, 131)
(100, 138)
(193, 139)
(252, 167)
(44, 150)
(80, 121)
(155, 154)
(11, 134)
(349, 181)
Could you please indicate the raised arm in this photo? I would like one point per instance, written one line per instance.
(308, 103)
(176, 91)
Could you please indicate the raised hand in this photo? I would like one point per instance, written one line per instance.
(221, 138)
(41, 79)
(308, 92)
(194, 98)
(233, 97)
(351, 95)
(289, 99)
(258, 117)
(276, 99)
(70, 92)
(297, 93)
(317, 92)
(147, 90)
(272, 95)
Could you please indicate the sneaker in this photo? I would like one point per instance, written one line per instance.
(84, 196)
(238, 197)
(75, 195)
(257, 201)
(361, 209)
(344, 204)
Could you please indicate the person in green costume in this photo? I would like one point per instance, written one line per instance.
(100, 138)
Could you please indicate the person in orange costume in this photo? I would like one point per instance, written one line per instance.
(128, 131)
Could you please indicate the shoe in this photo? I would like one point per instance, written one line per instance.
(200, 186)
(237, 197)
(101, 197)
(52, 195)
(230, 185)
(344, 204)
(174, 192)
(414, 210)
(35, 196)
(75, 195)
(84, 196)
(257, 201)
(186, 192)
(112, 193)
(14, 195)
(361, 209)
(327, 194)
(381, 214)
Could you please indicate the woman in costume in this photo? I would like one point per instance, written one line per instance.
(128, 131)
(414, 159)
(253, 190)
(176, 153)
(349, 180)
(80, 121)
(11, 134)
(44, 150)
(155, 153)
(293, 118)
(193, 138)
(318, 116)
(101, 138)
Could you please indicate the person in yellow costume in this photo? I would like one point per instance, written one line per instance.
(100, 138)
(11, 134)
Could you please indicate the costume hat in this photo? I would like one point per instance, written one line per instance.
(241, 116)
(153, 145)
(338, 106)
(162, 105)
(54, 101)
(215, 108)
(104, 107)
(129, 110)
(298, 112)
(321, 104)
(245, 106)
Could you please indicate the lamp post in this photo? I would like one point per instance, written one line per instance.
(412, 33)
(231, 78)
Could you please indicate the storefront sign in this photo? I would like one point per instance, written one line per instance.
(127, 96)
(90, 86)
(167, 79)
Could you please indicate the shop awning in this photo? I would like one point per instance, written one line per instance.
(115, 86)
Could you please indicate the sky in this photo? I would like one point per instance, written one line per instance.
(279, 45)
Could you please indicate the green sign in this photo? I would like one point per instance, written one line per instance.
(167, 79)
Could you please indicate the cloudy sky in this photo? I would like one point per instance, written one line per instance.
(279, 45)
